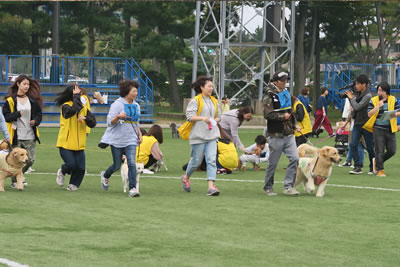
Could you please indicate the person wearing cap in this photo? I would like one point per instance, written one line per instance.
(281, 124)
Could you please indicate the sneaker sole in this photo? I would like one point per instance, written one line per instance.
(135, 195)
(213, 194)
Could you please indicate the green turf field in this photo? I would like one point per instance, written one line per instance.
(355, 224)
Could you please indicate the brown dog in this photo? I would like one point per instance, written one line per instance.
(316, 170)
(4, 144)
(11, 164)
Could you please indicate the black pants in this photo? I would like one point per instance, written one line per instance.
(302, 139)
(150, 162)
(384, 139)
(74, 164)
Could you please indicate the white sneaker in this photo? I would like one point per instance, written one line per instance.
(147, 171)
(134, 193)
(60, 178)
(291, 191)
(29, 170)
(72, 187)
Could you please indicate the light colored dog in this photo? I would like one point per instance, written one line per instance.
(4, 145)
(305, 150)
(11, 165)
(156, 167)
(124, 174)
(315, 170)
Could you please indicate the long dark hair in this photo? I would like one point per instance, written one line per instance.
(65, 96)
(156, 131)
(242, 111)
(33, 92)
(201, 81)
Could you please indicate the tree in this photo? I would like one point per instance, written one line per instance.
(162, 28)
(96, 18)
(32, 21)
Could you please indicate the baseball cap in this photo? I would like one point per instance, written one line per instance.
(282, 76)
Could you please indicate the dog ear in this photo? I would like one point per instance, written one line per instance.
(324, 151)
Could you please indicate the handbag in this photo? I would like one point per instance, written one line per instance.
(184, 130)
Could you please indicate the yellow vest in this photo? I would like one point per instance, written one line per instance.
(72, 133)
(143, 154)
(369, 125)
(305, 124)
(227, 155)
(87, 105)
(9, 125)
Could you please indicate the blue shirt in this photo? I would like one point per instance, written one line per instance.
(306, 102)
(322, 102)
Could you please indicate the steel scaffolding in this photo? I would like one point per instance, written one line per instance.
(225, 38)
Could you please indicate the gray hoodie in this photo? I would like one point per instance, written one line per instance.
(200, 132)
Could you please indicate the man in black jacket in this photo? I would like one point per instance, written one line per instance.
(359, 103)
(281, 125)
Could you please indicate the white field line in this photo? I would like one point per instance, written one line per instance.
(12, 263)
(236, 180)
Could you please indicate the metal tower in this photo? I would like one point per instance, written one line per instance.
(224, 47)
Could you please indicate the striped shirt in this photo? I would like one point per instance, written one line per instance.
(379, 123)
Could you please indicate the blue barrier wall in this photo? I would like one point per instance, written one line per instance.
(98, 73)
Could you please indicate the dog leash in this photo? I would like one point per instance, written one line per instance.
(323, 139)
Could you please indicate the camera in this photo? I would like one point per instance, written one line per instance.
(351, 86)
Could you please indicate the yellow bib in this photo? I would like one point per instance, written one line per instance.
(143, 154)
(369, 125)
(72, 133)
(305, 124)
(227, 155)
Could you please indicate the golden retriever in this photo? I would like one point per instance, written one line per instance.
(11, 165)
(4, 144)
(315, 170)
(124, 174)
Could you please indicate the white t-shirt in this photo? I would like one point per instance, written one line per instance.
(24, 129)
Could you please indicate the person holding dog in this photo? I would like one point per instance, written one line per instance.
(203, 111)
(148, 152)
(255, 154)
(123, 134)
(231, 121)
(71, 141)
(280, 129)
(359, 103)
(23, 114)
(384, 131)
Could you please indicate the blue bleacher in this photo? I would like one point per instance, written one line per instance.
(95, 74)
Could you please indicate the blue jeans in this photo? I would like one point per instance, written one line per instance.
(358, 131)
(360, 152)
(74, 164)
(209, 150)
(130, 152)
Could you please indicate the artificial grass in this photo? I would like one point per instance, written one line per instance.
(45, 225)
